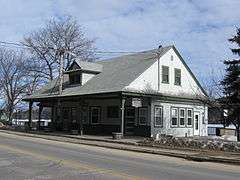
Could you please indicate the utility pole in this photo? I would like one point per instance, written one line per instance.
(61, 53)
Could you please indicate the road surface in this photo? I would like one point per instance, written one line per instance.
(34, 158)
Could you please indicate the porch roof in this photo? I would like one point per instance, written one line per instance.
(117, 73)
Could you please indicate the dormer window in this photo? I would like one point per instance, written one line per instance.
(75, 78)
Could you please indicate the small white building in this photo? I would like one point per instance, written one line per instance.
(147, 93)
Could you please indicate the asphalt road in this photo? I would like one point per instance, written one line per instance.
(33, 158)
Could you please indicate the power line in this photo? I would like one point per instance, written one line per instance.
(18, 45)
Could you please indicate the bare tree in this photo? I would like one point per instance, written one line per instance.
(15, 78)
(45, 42)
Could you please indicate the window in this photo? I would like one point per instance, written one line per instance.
(158, 116)
(196, 121)
(142, 116)
(203, 118)
(177, 73)
(174, 116)
(95, 115)
(182, 117)
(171, 57)
(165, 74)
(75, 78)
(112, 112)
(189, 117)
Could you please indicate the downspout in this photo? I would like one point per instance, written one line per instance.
(122, 114)
(158, 73)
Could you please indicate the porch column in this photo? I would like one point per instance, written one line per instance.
(30, 115)
(53, 118)
(80, 120)
(123, 112)
(39, 115)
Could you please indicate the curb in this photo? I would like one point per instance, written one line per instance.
(130, 147)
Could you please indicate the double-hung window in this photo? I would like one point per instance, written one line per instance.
(142, 116)
(95, 114)
(174, 116)
(158, 116)
(189, 117)
(165, 74)
(181, 117)
(177, 74)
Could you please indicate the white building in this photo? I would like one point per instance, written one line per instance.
(101, 97)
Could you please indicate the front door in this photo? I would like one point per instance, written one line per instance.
(74, 123)
(129, 120)
(66, 119)
(196, 130)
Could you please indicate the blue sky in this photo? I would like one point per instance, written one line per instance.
(198, 28)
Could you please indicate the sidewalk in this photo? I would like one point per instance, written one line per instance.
(131, 144)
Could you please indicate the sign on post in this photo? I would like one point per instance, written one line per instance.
(136, 102)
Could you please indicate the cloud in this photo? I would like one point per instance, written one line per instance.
(198, 28)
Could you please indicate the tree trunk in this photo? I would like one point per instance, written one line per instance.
(238, 133)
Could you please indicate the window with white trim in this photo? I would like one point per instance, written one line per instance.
(177, 77)
(95, 115)
(203, 118)
(181, 117)
(189, 117)
(158, 116)
(142, 116)
(174, 116)
(165, 74)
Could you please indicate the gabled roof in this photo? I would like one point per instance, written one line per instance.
(117, 73)
(189, 70)
(89, 66)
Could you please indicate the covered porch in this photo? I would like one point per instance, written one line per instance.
(99, 114)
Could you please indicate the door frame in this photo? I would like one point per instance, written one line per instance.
(125, 120)
(196, 132)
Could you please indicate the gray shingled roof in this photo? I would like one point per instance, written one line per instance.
(89, 66)
(116, 74)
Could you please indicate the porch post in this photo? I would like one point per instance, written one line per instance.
(60, 109)
(39, 115)
(122, 117)
(53, 118)
(30, 115)
(80, 119)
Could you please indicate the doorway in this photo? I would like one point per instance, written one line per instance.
(129, 120)
(196, 130)
(69, 120)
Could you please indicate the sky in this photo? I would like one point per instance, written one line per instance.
(199, 29)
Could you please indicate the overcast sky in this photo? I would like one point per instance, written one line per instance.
(198, 28)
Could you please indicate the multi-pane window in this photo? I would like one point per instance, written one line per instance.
(158, 116)
(189, 117)
(75, 78)
(165, 74)
(142, 116)
(95, 113)
(112, 112)
(177, 73)
(181, 117)
(174, 116)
